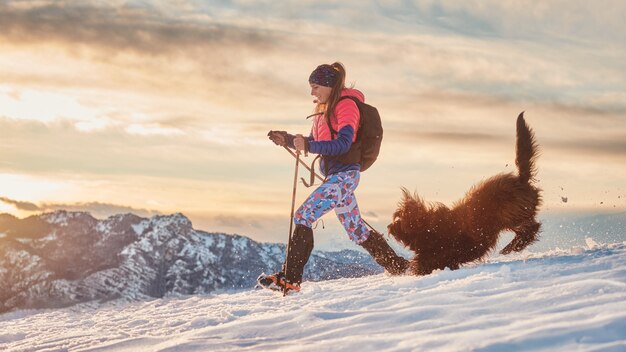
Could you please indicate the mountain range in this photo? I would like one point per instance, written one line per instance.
(63, 258)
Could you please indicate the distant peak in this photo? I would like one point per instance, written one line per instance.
(125, 216)
(176, 218)
(7, 216)
(61, 217)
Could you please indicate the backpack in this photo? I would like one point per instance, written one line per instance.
(369, 136)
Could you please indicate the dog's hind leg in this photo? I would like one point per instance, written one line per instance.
(524, 236)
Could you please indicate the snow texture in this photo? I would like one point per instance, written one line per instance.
(565, 300)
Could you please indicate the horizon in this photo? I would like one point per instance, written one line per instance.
(564, 237)
(155, 107)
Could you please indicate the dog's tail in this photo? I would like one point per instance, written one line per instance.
(526, 150)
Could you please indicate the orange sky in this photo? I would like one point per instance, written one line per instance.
(161, 107)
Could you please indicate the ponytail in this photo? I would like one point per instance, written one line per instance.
(335, 93)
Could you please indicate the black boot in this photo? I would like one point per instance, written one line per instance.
(384, 255)
(300, 248)
(290, 277)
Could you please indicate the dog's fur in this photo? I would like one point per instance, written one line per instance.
(442, 237)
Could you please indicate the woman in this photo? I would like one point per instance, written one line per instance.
(334, 130)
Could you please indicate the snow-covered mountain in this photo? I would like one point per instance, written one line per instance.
(62, 258)
(560, 300)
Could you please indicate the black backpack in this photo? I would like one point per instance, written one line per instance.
(369, 136)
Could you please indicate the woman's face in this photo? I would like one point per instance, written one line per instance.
(320, 93)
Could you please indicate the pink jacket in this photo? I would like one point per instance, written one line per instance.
(346, 113)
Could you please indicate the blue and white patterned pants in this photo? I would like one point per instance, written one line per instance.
(336, 193)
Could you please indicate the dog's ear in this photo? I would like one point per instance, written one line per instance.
(410, 215)
(405, 193)
(413, 204)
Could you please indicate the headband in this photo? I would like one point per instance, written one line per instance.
(324, 75)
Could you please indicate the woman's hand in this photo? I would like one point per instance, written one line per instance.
(278, 137)
(301, 144)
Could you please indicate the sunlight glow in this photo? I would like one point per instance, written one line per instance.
(32, 188)
(42, 106)
(152, 129)
(6, 208)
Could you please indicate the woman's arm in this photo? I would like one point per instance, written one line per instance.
(337, 146)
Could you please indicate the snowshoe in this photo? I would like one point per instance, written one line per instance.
(276, 282)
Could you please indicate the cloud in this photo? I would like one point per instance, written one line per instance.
(126, 27)
(226, 53)
(61, 148)
(559, 20)
(20, 205)
(142, 49)
(610, 147)
(152, 129)
(455, 138)
(97, 209)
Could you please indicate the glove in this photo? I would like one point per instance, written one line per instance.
(278, 137)
(301, 144)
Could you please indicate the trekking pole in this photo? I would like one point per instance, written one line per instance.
(298, 160)
(303, 163)
(293, 205)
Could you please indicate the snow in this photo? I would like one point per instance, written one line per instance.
(104, 227)
(240, 243)
(51, 237)
(141, 227)
(61, 217)
(591, 243)
(571, 299)
(274, 251)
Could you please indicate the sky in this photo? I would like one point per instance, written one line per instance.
(157, 107)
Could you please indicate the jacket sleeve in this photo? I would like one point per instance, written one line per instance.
(347, 114)
(338, 146)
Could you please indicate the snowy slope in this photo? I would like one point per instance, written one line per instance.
(561, 300)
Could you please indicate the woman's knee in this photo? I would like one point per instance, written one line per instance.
(300, 217)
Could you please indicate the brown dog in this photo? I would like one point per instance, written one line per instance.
(443, 237)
